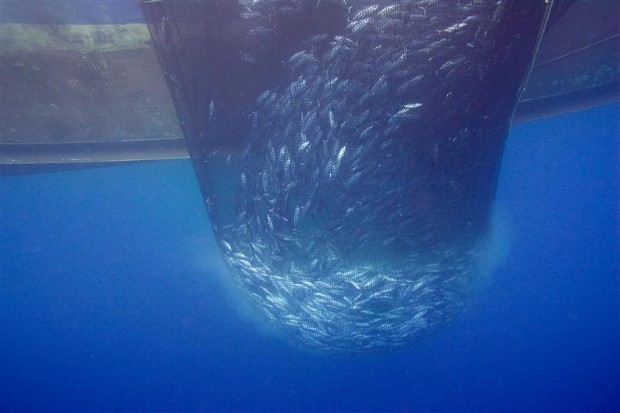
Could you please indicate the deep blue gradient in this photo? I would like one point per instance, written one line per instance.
(110, 298)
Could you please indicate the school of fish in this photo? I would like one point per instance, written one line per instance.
(332, 236)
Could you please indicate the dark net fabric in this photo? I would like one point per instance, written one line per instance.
(349, 151)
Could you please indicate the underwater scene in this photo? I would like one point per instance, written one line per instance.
(310, 205)
(113, 299)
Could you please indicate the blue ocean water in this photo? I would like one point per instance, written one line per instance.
(111, 299)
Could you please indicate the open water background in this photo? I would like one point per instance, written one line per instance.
(111, 300)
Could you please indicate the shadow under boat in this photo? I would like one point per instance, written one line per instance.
(81, 84)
